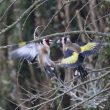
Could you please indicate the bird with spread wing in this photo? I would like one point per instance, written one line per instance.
(33, 52)
(74, 54)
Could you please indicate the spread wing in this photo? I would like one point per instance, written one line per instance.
(72, 61)
(72, 46)
(28, 52)
(90, 48)
(17, 45)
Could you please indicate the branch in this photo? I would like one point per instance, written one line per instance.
(65, 33)
(7, 10)
(105, 90)
(52, 19)
(98, 78)
(73, 32)
(18, 20)
(26, 12)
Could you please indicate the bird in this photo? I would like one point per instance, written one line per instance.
(39, 52)
(75, 54)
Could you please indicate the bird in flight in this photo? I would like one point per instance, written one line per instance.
(74, 54)
(33, 52)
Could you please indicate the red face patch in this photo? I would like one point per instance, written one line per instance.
(47, 41)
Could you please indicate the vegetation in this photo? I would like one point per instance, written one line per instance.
(23, 86)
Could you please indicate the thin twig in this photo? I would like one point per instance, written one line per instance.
(7, 10)
(103, 34)
(32, 12)
(98, 19)
(51, 20)
(105, 90)
(75, 16)
(95, 79)
(18, 20)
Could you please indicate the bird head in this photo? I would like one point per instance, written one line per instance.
(63, 40)
(46, 41)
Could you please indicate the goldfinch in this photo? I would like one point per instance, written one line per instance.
(36, 52)
(74, 54)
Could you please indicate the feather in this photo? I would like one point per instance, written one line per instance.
(50, 71)
(80, 72)
(90, 48)
(72, 61)
(28, 52)
(72, 46)
(67, 53)
(17, 45)
(75, 53)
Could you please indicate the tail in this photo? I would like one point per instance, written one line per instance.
(50, 71)
(81, 72)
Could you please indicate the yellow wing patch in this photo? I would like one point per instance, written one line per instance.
(22, 44)
(70, 60)
(89, 46)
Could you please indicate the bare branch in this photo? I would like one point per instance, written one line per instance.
(105, 90)
(65, 33)
(98, 78)
(7, 10)
(18, 20)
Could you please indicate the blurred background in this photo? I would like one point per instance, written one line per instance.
(19, 81)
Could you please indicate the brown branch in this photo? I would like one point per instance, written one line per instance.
(18, 20)
(1, 18)
(107, 15)
(75, 16)
(65, 33)
(93, 14)
(26, 12)
(95, 79)
(51, 19)
(65, 3)
(74, 32)
(89, 14)
(105, 90)
(32, 12)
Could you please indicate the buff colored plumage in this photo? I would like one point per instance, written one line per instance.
(33, 52)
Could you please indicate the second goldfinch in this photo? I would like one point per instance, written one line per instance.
(74, 54)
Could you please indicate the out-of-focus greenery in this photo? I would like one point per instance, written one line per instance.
(31, 77)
